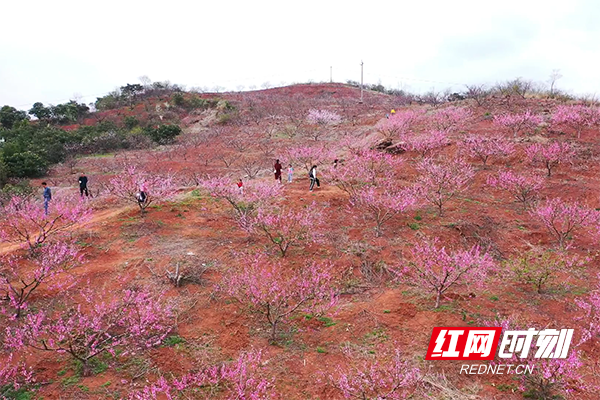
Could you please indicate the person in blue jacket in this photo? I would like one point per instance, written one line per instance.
(47, 197)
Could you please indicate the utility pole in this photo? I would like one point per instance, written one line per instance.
(361, 81)
(330, 74)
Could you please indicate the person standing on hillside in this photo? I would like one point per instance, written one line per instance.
(83, 180)
(277, 170)
(240, 186)
(290, 173)
(47, 197)
(313, 177)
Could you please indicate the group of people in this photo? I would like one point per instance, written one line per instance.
(141, 195)
(312, 174)
(47, 194)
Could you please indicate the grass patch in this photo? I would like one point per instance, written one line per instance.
(327, 322)
(494, 298)
(9, 392)
(70, 381)
(414, 226)
(321, 350)
(173, 340)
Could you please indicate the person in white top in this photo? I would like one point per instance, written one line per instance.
(313, 177)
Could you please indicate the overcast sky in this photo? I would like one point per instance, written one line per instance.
(51, 51)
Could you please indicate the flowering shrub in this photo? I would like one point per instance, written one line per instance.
(365, 168)
(25, 219)
(483, 147)
(382, 204)
(518, 123)
(240, 379)
(278, 293)
(131, 181)
(425, 143)
(441, 181)
(523, 188)
(576, 117)
(286, 227)
(449, 119)
(20, 282)
(383, 375)
(131, 321)
(563, 220)
(549, 155)
(432, 268)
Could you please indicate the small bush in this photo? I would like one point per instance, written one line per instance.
(164, 134)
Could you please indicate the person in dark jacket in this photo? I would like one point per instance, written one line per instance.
(277, 170)
(83, 180)
(313, 177)
(47, 197)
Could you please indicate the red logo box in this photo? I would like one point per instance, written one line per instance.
(472, 343)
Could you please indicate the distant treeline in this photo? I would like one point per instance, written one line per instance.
(134, 116)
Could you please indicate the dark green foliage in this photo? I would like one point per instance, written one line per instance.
(130, 122)
(9, 116)
(40, 111)
(25, 164)
(178, 99)
(164, 134)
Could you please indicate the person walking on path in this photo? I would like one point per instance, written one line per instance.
(47, 197)
(290, 173)
(83, 180)
(313, 177)
(277, 170)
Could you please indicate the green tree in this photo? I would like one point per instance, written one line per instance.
(164, 134)
(9, 116)
(40, 111)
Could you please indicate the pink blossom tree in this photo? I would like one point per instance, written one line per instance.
(483, 147)
(564, 220)
(432, 268)
(549, 155)
(20, 280)
(285, 227)
(133, 320)
(523, 188)
(243, 378)
(322, 119)
(425, 143)
(365, 168)
(278, 293)
(398, 124)
(308, 156)
(14, 375)
(383, 375)
(449, 119)
(575, 117)
(244, 203)
(440, 181)
(591, 309)
(382, 204)
(129, 183)
(518, 123)
(25, 220)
